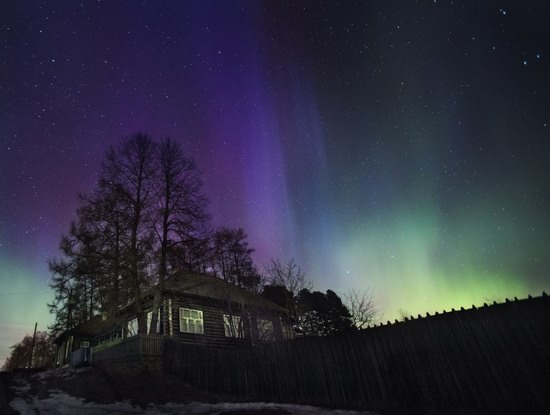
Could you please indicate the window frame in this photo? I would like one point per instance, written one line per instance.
(233, 326)
(195, 320)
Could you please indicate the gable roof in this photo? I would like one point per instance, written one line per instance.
(208, 286)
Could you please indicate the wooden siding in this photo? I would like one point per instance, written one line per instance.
(213, 311)
(214, 333)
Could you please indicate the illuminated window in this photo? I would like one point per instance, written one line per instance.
(265, 329)
(150, 319)
(132, 328)
(191, 321)
(233, 326)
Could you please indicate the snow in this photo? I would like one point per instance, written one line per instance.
(65, 372)
(60, 403)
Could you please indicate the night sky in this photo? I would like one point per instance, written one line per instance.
(398, 145)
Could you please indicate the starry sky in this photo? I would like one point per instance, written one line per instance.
(401, 146)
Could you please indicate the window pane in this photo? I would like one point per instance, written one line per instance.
(132, 328)
(191, 321)
(183, 325)
(149, 319)
(158, 321)
(232, 326)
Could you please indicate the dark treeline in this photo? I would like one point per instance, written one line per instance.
(148, 216)
(29, 352)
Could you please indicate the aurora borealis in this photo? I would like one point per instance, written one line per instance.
(398, 145)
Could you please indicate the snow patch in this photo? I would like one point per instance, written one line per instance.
(60, 403)
(24, 385)
(64, 373)
(22, 407)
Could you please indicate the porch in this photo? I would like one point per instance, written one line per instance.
(132, 349)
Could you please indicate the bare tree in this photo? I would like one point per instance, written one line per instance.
(232, 260)
(111, 254)
(361, 307)
(127, 176)
(290, 276)
(180, 217)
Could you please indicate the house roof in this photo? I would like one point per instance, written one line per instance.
(213, 287)
(93, 327)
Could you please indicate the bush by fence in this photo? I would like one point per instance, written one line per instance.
(494, 358)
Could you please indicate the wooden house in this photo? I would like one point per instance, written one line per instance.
(194, 308)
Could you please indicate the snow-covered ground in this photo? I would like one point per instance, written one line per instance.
(60, 403)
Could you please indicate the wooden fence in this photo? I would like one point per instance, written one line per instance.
(489, 359)
(136, 348)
